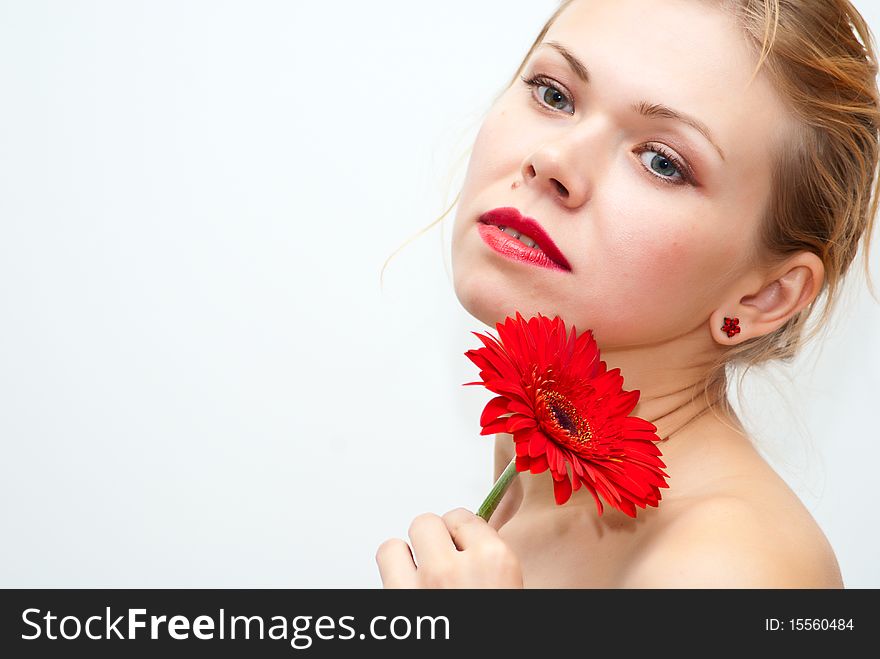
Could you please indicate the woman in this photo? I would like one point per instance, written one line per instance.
(719, 165)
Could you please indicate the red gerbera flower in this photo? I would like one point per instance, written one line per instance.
(562, 406)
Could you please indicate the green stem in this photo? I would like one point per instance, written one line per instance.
(498, 490)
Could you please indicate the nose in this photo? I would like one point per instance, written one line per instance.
(559, 189)
(566, 167)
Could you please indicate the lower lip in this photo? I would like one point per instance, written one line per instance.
(513, 249)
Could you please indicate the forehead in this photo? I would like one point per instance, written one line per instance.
(687, 54)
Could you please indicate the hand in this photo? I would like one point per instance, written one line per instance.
(458, 550)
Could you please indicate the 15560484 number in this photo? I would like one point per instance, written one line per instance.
(806, 624)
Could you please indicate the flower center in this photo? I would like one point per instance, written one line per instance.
(565, 419)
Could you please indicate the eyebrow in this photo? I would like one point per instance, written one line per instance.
(644, 108)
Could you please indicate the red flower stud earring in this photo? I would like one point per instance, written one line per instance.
(731, 326)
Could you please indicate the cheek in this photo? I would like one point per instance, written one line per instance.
(666, 246)
(496, 156)
(670, 276)
(496, 151)
(664, 259)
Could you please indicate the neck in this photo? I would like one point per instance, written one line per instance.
(670, 378)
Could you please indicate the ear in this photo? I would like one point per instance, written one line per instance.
(768, 305)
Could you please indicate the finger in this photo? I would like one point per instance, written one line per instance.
(467, 529)
(430, 538)
(396, 565)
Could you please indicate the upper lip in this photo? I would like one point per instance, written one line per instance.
(511, 217)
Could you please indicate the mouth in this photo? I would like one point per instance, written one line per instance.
(520, 238)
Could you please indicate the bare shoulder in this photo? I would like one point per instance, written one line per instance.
(732, 541)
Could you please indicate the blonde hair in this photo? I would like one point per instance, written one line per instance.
(821, 59)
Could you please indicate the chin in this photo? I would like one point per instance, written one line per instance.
(486, 301)
(491, 302)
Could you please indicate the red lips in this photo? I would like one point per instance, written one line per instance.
(511, 217)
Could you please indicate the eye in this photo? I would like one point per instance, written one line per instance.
(668, 168)
(548, 91)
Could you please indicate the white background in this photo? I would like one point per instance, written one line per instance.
(201, 381)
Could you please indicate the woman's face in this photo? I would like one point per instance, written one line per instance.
(656, 225)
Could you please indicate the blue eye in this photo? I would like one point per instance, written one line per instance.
(663, 162)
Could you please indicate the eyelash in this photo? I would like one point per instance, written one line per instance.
(684, 170)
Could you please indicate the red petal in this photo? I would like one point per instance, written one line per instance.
(498, 425)
(479, 359)
(538, 464)
(506, 388)
(512, 341)
(539, 332)
(627, 507)
(498, 360)
(528, 338)
(592, 491)
(538, 444)
(494, 408)
(637, 423)
(624, 403)
(520, 422)
(562, 490)
(520, 408)
(487, 340)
